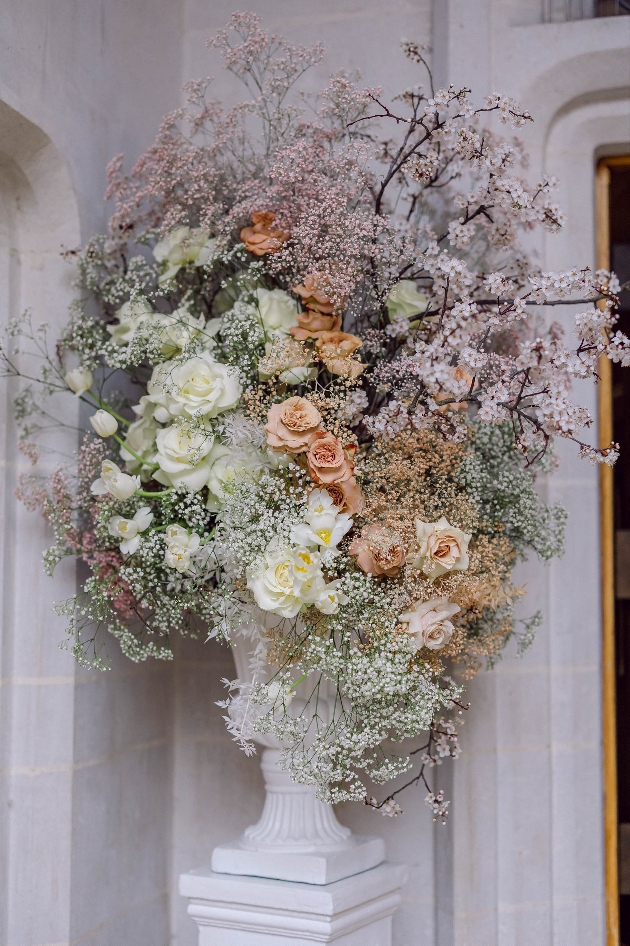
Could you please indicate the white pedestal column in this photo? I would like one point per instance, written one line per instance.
(295, 877)
(255, 911)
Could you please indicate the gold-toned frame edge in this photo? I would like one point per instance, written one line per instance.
(609, 708)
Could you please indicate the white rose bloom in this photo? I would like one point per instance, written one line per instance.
(323, 525)
(404, 300)
(104, 424)
(429, 623)
(231, 465)
(130, 315)
(277, 311)
(443, 548)
(79, 380)
(200, 387)
(112, 480)
(128, 530)
(177, 330)
(180, 247)
(180, 544)
(184, 455)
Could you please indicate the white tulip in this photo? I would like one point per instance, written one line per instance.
(112, 480)
(277, 311)
(128, 530)
(104, 424)
(79, 380)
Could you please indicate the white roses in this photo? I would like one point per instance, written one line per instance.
(429, 623)
(200, 387)
(443, 548)
(128, 530)
(185, 455)
(404, 300)
(112, 480)
(180, 545)
(288, 579)
(180, 247)
(277, 311)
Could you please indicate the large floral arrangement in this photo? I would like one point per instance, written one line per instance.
(323, 383)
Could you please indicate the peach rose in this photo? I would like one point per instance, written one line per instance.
(442, 548)
(261, 239)
(428, 622)
(311, 324)
(327, 460)
(379, 550)
(336, 350)
(291, 425)
(313, 295)
(347, 496)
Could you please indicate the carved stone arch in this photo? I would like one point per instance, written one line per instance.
(38, 214)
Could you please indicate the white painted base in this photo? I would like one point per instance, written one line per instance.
(255, 911)
(317, 867)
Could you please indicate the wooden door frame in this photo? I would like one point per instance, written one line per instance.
(607, 538)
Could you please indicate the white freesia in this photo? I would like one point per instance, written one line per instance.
(324, 525)
(112, 480)
(404, 300)
(443, 548)
(130, 315)
(277, 311)
(428, 622)
(282, 692)
(180, 544)
(199, 387)
(326, 596)
(284, 579)
(104, 424)
(79, 380)
(128, 530)
(183, 455)
(180, 247)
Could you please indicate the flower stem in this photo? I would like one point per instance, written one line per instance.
(151, 466)
(103, 406)
(160, 495)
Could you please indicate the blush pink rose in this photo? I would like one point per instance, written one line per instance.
(347, 496)
(379, 550)
(327, 460)
(291, 425)
(311, 324)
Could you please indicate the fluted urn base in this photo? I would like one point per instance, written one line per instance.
(297, 838)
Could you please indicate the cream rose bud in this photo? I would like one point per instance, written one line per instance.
(443, 548)
(277, 311)
(128, 530)
(112, 480)
(200, 387)
(79, 380)
(180, 544)
(404, 300)
(104, 424)
(429, 623)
